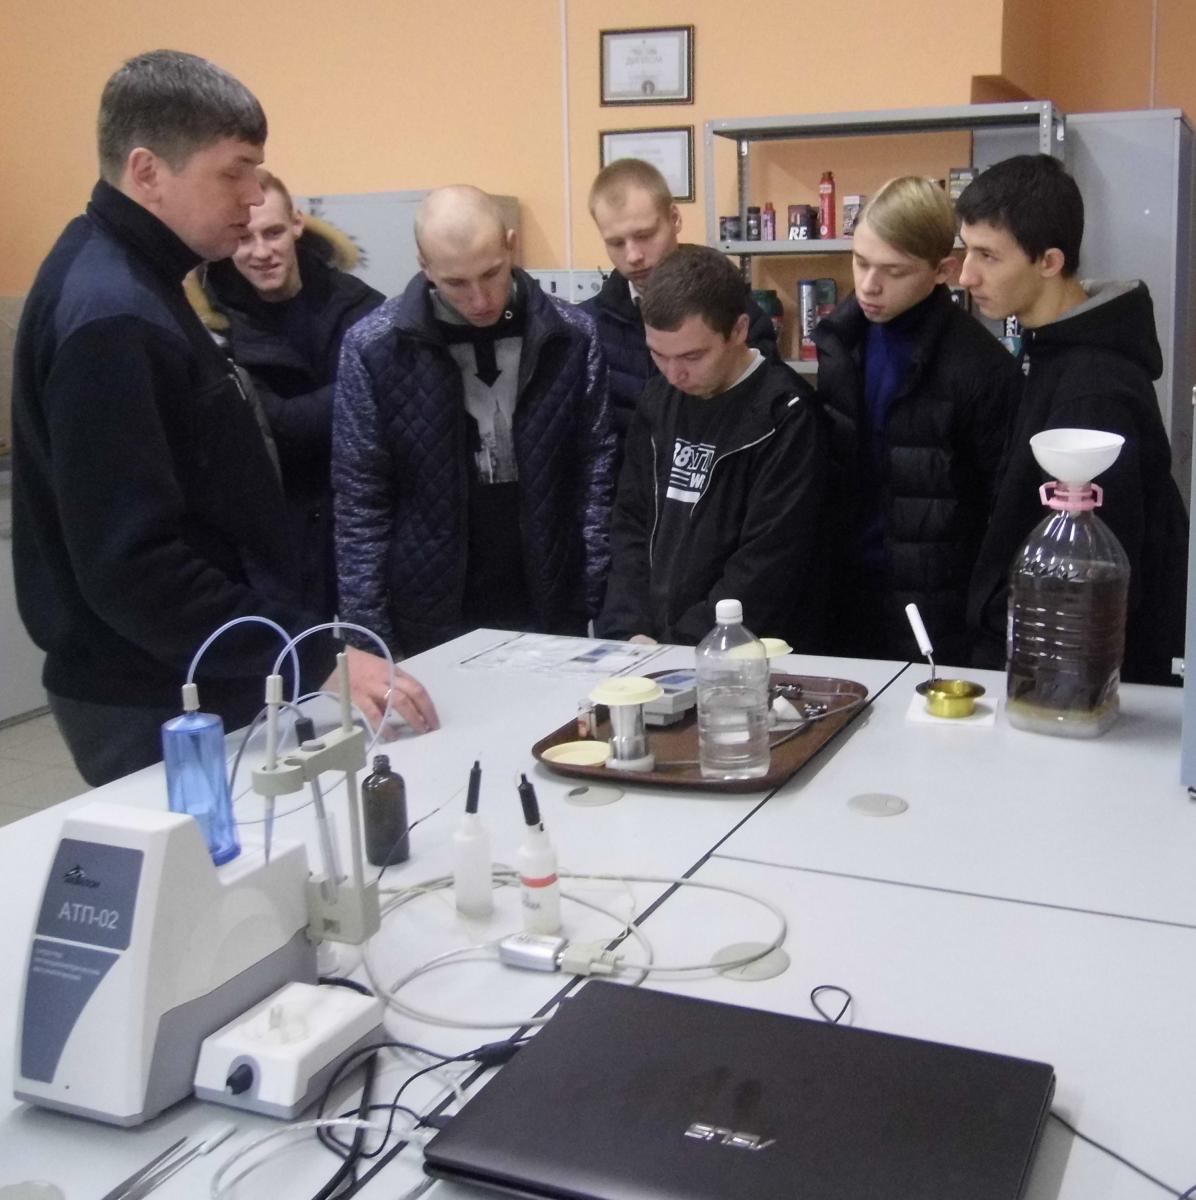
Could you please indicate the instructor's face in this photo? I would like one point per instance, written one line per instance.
(206, 202)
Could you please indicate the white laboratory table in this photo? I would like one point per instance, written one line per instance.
(1095, 996)
(492, 715)
(1099, 825)
(1019, 905)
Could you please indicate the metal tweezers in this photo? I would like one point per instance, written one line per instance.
(164, 1165)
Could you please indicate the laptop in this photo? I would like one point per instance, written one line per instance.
(631, 1094)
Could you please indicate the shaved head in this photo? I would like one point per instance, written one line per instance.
(465, 251)
(457, 218)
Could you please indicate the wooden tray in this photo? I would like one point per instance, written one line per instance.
(679, 743)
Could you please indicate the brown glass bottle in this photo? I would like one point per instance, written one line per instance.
(384, 814)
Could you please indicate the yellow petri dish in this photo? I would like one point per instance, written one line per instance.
(578, 754)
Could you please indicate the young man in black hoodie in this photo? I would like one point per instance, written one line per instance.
(919, 397)
(721, 488)
(284, 302)
(1089, 355)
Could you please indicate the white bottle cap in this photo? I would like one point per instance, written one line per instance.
(728, 612)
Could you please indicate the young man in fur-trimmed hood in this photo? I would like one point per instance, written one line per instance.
(283, 302)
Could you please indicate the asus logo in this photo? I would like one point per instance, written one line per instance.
(75, 876)
(727, 1137)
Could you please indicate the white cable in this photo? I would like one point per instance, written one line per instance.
(219, 1188)
(252, 729)
(336, 627)
(286, 637)
(469, 954)
(390, 998)
(775, 944)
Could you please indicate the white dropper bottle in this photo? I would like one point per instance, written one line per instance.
(473, 884)
(536, 859)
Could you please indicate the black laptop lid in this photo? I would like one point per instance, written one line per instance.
(631, 1094)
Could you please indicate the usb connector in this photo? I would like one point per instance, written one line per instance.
(545, 952)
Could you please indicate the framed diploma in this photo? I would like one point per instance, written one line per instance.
(670, 151)
(648, 66)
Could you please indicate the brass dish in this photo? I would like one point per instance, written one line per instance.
(952, 697)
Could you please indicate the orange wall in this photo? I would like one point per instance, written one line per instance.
(874, 54)
(381, 94)
(1097, 55)
(370, 95)
(384, 94)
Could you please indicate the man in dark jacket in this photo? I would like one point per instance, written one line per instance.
(1089, 355)
(920, 398)
(634, 210)
(721, 488)
(284, 302)
(471, 445)
(146, 509)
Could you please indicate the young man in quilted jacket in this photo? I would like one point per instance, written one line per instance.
(471, 445)
(920, 397)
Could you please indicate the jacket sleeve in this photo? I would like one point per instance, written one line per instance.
(364, 499)
(626, 610)
(302, 425)
(123, 511)
(596, 468)
(990, 413)
(774, 570)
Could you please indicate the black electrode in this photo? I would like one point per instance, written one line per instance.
(475, 786)
(531, 808)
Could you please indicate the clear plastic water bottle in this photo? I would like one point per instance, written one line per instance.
(732, 677)
(196, 776)
(1067, 603)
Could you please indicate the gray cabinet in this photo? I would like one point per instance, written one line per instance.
(1135, 171)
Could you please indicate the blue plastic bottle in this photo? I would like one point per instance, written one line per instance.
(196, 781)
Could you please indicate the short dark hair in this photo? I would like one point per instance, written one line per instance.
(694, 281)
(1035, 200)
(173, 104)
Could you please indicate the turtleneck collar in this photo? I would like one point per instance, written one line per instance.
(163, 250)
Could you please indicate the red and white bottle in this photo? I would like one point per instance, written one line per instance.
(826, 205)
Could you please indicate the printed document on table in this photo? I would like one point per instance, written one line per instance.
(565, 655)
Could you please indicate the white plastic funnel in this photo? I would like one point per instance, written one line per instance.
(1076, 456)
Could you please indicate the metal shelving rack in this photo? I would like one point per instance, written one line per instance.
(745, 131)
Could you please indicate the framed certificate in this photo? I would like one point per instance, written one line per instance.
(670, 151)
(648, 66)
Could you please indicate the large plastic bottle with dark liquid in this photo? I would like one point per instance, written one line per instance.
(1066, 629)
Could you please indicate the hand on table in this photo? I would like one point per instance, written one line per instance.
(642, 639)
(369, 681)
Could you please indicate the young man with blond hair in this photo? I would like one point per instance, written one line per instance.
(920, 397)
(640, 223)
